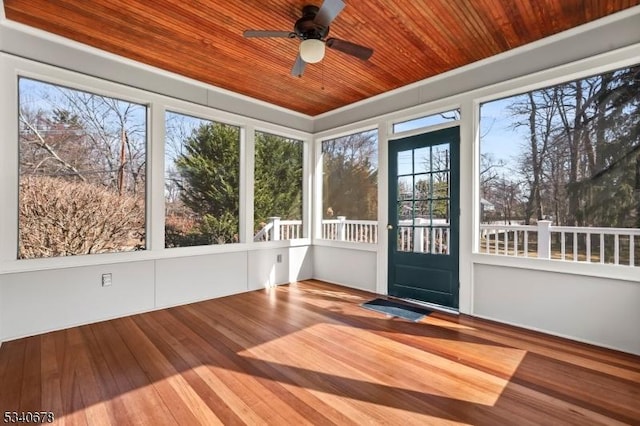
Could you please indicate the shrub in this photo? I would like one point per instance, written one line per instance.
(59, 217)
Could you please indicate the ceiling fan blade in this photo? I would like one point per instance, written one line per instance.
(267, 33)
(349, 48)
(328, 12)
(298, 67)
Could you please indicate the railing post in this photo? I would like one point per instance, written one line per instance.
(342, 229)
(275, 231)
(544, 239)
(418, 236)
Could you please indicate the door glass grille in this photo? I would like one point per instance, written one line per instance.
(424, 200)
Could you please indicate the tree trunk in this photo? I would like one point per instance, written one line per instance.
(123, 156)
(534, 203)
(575, 136)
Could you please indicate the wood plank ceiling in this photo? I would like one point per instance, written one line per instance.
(412, 40)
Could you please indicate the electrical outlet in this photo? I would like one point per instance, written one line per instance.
(279, 258)
(106, 280)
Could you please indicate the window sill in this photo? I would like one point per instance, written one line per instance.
(30, 265)
(618, 272)
(346, 245)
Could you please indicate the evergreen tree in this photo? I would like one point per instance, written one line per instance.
(278, 178)
(210, 169)
(607, 192)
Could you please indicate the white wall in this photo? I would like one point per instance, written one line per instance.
(183, 280)
(39, 301)
(265, 270)
(348, 267)
(594, 310)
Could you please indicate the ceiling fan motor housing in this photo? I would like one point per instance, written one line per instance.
(306, 29)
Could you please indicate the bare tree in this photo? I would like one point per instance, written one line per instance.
(82, 172)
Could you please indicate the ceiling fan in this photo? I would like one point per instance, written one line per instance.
(312, 29)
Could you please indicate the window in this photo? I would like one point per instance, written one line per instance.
(202, 182)
(426, 121)
(560, 171)
(82, 172)
(277, 188)
(350, 188)
(424, 200)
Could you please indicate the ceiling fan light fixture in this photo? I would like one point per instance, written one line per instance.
(312, 50)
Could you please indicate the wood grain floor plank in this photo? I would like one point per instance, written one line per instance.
(186, 406)
(50, 371)
(11, 389)
(144, 402)
(30, 396)
(282, 402)
(307, 353)
(221, 399)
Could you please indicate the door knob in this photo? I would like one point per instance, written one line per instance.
(389, 227)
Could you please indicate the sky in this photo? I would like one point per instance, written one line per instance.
(497, 138)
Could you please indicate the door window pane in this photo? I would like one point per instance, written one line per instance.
(441, 184)
(405, 163)
(405, 210)
(405, 188)
(440, 212)
(423, 186)
(440, 157)
(405, 239)
(422, 160)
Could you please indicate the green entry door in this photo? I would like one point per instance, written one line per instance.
(424, 205)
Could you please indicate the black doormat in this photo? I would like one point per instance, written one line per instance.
(397, 309)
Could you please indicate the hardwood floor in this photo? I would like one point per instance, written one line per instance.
(308, 354)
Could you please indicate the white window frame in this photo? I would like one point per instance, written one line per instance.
(318, 185)
(594, 65)
(12, 67)
(306, 181)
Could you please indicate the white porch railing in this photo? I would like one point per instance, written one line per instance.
(355, 231)
(340, 229)
(277, 230)
(618, 246)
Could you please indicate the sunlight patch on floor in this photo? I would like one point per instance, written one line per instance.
(439, 322)
(331, 293)
(390, 365)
